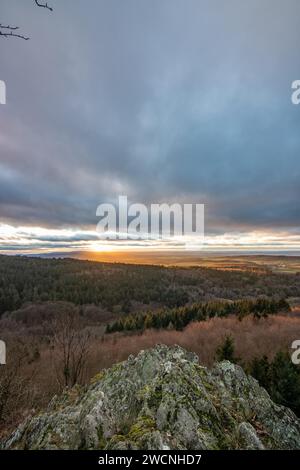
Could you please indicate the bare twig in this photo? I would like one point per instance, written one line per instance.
(8, 27)
(10, 31)
(43, 5)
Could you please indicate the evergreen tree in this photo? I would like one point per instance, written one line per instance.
(281, 378)
(225, 351)
(286, 382)
(260, 369)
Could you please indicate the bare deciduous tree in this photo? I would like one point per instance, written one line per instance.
(15, 385)
(71, 342)
(7, 31)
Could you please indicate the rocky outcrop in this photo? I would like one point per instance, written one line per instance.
(163, 399)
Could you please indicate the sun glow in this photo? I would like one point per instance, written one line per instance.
(35, 240)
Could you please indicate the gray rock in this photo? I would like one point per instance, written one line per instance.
(162, 399)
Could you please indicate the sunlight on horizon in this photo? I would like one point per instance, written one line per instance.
(41, 240)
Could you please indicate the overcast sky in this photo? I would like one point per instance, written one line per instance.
(161, 100)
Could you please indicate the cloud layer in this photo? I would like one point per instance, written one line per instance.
(161, 101)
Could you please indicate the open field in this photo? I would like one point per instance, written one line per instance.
(250, 262)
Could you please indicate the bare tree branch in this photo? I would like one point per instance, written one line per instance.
(8, 27)
(71, 343)
(43, 5)
(10, 31)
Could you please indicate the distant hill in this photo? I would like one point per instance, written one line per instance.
(110, 285)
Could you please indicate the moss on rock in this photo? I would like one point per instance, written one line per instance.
(162, 399)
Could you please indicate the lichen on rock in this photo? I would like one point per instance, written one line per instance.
(163, 399)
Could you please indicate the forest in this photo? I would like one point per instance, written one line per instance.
(25, 279)
(179, 318)
(64, 320)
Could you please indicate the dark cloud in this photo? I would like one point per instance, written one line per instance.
(162, 100)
